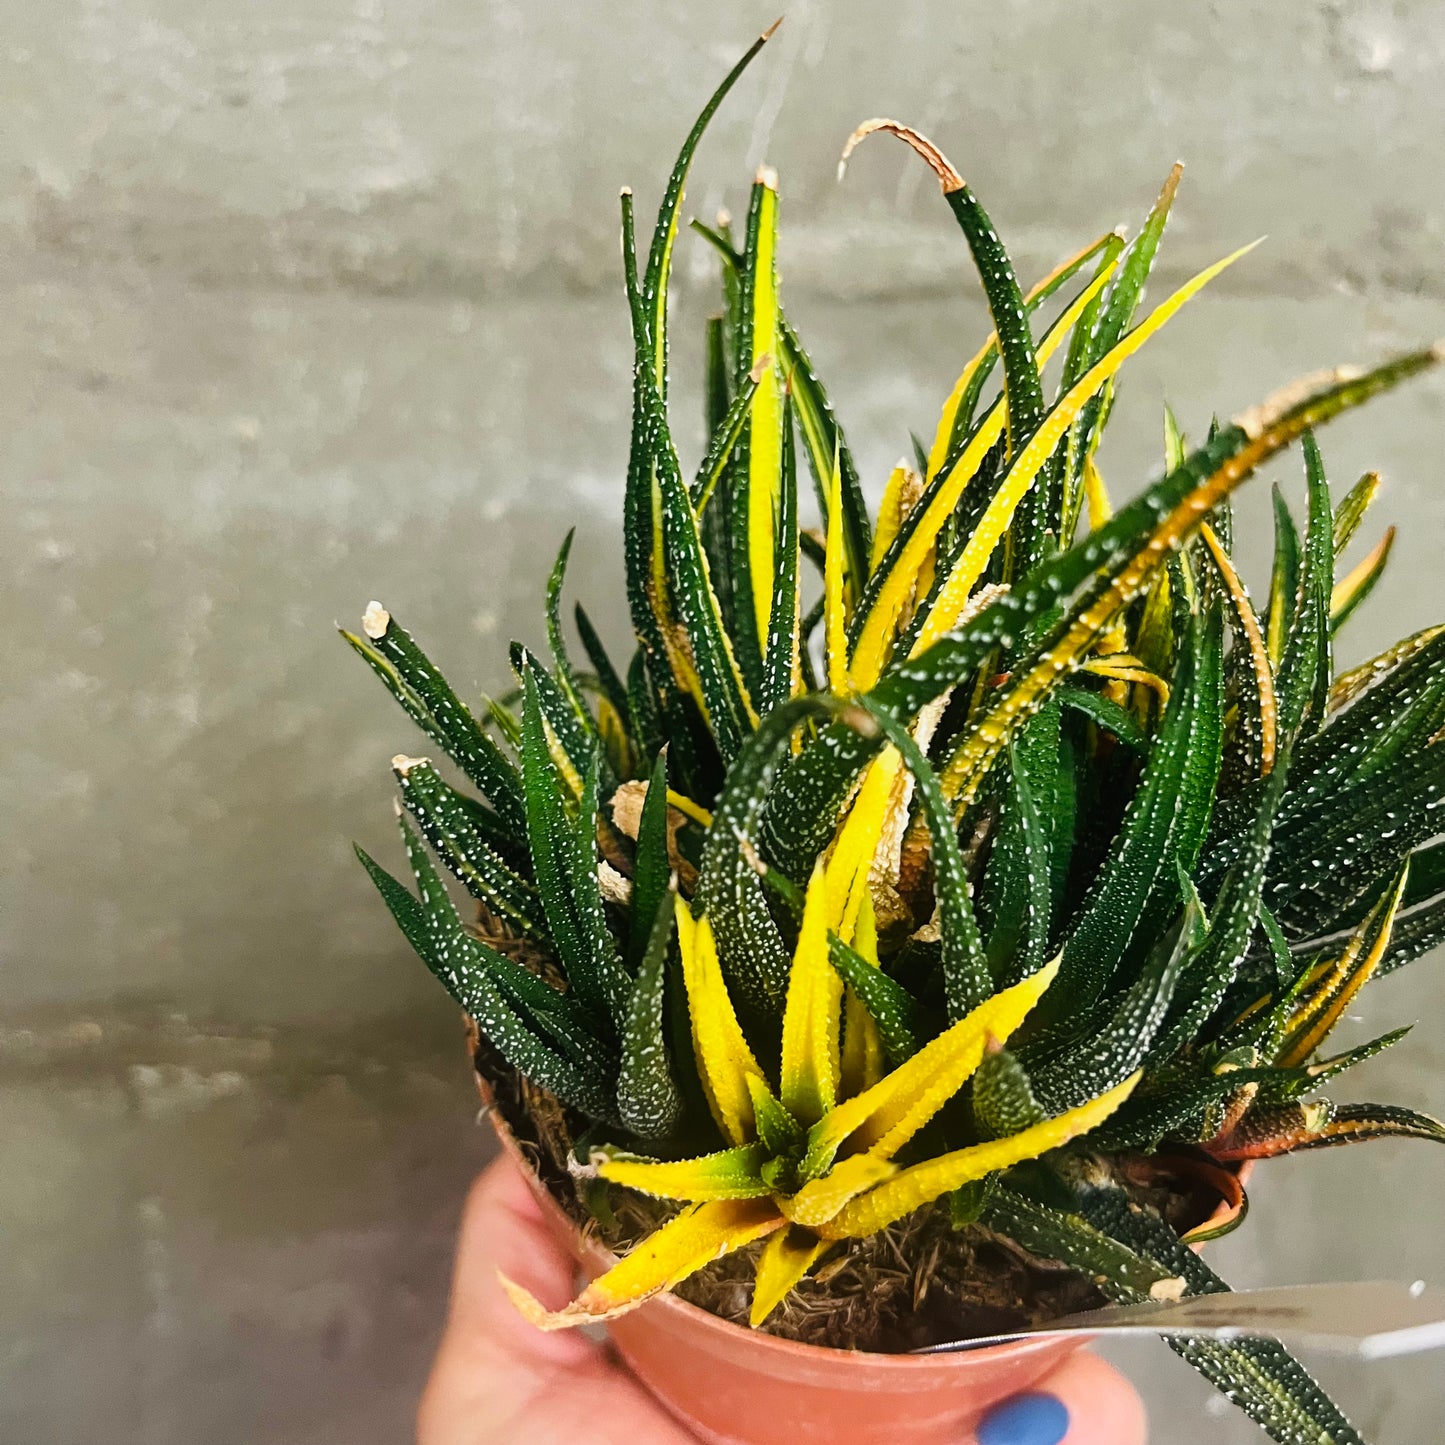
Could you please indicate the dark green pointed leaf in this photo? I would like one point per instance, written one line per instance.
(431, 704)
(888, 1004)
(648, 1098)
(1306, 668)
(1107, 714)
(467, 969)
(564, 855)
(652, 872)
(449, 825)
(1004, 1101)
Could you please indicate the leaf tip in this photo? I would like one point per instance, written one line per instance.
(375, 620)
(772, 29)
(402, 765)
(948, 177)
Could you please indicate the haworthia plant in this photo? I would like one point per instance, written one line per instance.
(1023, 821)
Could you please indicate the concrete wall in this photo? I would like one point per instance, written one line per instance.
(311, 302)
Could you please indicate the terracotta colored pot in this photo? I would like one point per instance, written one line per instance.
(734, 1386)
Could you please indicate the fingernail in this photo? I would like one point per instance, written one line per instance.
(1033, 1419)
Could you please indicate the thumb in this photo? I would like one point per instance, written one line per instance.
(1084, 1402)
(504, 1232)
(498, 1381)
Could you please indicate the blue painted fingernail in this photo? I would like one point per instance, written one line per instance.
(1025, 1420)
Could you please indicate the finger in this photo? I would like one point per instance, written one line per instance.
(497, 1381)
(504, 1232)
(1084, 1402)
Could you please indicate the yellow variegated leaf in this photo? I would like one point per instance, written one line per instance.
(812, 1014)
(876, 635)
(863, 1058)
(834, 565)
(689, 809)
(724, 1059)
(820, 1199)
(1122, 667)
(665, 1258)
(1258, 656)
(1349, 685)
(938, 452)
(1097, 495)
(1361, 574)
(1100, 510)
(1268, 427)
(891, 511)
(569, 775)
(728, 1174)
(786, 1258)
(923, 1183)
(953, 595)
(765, 418)
(851, 857)
(881, 1120)
(1329, 995)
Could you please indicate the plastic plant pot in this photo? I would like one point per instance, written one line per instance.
(735, 1386)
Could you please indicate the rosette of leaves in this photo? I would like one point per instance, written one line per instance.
(958, 855)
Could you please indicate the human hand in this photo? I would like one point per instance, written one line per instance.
(498, 1382)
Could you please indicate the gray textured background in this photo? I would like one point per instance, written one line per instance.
(309, 301)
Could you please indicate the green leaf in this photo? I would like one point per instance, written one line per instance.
(1259, 1376)
(571, 743)
(1023, 394)
(1116, 901)
(1330, 858)
(1211, 969)
(566, 676)
(448, 824)
(467, 968)
(1125, 1276)
(888, 1004)
(664, 237)
(648, 1099)
(431, 704)
(1284, 579)
(721, 447)
(1306, 668)
(750, 947)
(782, 647)
(823, 440)
(652, 871)
(1018, 880)
(1113, 1043)
(1174, 1107)
(566, 870)
(1107, 714)
(1004, 1101)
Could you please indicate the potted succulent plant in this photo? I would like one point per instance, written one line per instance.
(924, 946)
